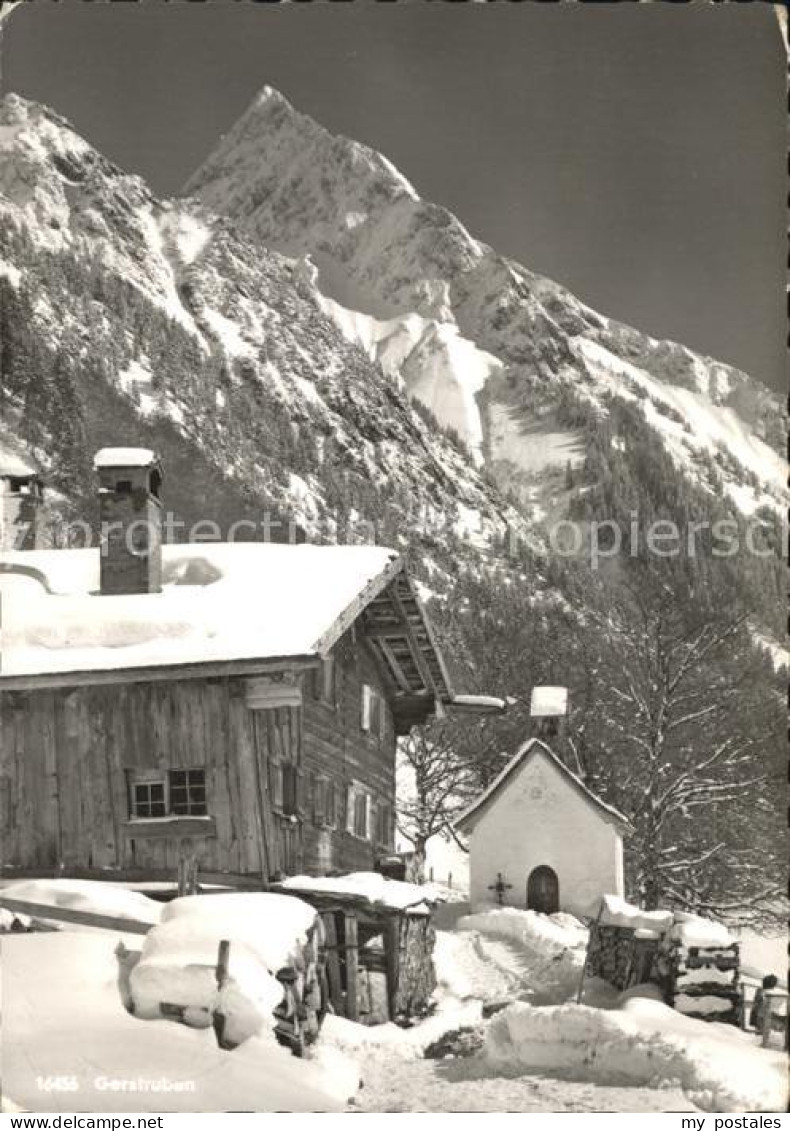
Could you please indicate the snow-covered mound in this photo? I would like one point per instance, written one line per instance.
(693, 930)
(179, 958)
(370, 886)
(87, 895)
(615, 912)
(60, 1001)
(547, 935)
(644, 1042)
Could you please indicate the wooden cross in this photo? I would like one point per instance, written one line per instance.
(500, 887)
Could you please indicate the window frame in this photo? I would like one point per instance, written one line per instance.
(149, 779)
(324, 682)
(357, 794)
(373, 720)
(384, 823)
(324, 802)
(285, 789)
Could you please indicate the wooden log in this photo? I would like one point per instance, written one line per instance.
(218, 1018)
(594, 934)
(392, 963)
(352, 967)
(69, 915)
(333, 964)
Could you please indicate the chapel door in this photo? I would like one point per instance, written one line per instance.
(543, 890)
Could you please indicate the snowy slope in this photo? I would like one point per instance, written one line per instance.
(225, 356)
(500, 336)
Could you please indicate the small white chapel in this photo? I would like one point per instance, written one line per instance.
(538, 837)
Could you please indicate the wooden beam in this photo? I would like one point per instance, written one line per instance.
(414, 647)
(352, 966)
(333, 962)
(170, 828)
(222, 668)
(395, 667)
(430, 634)
(392, 959)
(69, 915)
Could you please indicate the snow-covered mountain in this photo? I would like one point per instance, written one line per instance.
(484, 342)
(143, 319)
(301, 333)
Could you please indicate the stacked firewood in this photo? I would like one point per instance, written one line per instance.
(416, 974)
(620, 955)
(706, 982)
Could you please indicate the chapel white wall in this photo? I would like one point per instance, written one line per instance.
(540, 818)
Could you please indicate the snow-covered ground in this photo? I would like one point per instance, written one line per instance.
(70, 1045)
(542, 1051)
(512, 1036)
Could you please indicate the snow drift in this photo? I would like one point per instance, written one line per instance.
(643, 1042)
(179, 959)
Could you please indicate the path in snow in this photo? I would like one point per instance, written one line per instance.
(472, 965)
(392, 1084)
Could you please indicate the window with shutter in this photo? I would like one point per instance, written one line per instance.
(374, 714)
(361, 811)
(319, 800)
(328, 681)
(276, 783)
(384, 824)
(290, 789)
(350, 809)
(367, 695)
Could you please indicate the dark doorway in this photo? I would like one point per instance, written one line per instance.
(543, 890)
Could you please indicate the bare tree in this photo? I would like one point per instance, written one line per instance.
(443, 781)
(687, 744)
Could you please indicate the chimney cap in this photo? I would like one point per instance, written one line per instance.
(548, 702)
(125, 457)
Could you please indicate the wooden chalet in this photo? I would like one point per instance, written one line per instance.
(237, 704)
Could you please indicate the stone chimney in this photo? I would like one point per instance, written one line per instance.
(21, 496)
(130, 515)
(548, 710)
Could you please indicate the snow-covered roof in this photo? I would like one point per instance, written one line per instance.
(219, 602)
(124, 457)
(11, 463)
(548, 702)
(615, 912)
(532, 748)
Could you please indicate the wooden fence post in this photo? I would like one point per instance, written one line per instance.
(587, 953)
(221, 974)
(187, 868)
(392, 933)
(766, 1020)
(352, 967)
(333, 963)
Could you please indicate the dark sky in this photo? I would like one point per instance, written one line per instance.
(634, 152)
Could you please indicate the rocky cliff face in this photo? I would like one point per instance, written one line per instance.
(490, 347)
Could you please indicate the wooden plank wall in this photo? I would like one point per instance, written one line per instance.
(336, 745)
(64, 757)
